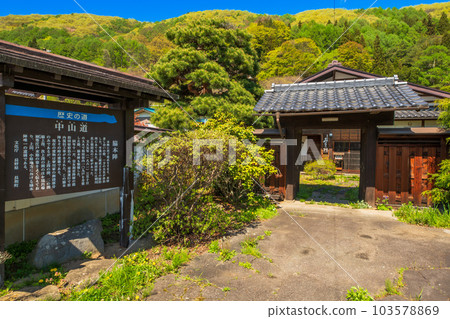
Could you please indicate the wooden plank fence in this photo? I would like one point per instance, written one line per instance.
(402, 172)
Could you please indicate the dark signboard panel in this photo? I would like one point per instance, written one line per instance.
(55, 148)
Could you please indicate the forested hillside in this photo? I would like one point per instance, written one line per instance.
(218, 60)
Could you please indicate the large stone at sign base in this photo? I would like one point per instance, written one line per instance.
(70, 243)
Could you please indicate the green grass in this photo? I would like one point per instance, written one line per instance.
(424, 216)
(352, 195)
(266, 212)
(133, 276)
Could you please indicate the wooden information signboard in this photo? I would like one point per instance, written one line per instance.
(56, 148)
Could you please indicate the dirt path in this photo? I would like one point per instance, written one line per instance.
(371, 246)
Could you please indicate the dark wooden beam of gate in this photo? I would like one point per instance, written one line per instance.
(292, 170)
(2, 182)
(128, 177)
(367, 162)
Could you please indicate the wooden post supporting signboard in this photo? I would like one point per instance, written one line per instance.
(126, 195)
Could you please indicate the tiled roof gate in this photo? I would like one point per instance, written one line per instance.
(359, 103)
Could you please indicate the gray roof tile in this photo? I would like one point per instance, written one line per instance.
(430, 114)
(365, 94)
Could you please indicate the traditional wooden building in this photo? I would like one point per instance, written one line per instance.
(358, 119)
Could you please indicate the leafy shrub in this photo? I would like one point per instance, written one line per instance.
(440, 194)
(321, 169)
(424, 216)
(358, 294)
(192, 203)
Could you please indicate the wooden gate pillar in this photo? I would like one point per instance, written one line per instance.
(292, 170)
(368, 162)
(2, 184)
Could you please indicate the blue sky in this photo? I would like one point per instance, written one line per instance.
(163, 9)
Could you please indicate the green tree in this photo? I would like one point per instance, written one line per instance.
(221, 42)
(434, 66)
(33, 43)
(379, 58)
(443, 25)
(353, 55)
(429, 24)
(209, 69)
(446, 40)
(268, 34)
(292, 58)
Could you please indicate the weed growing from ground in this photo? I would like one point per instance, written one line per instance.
(248, 265)
(383, 204)
(360, 205)
(226, 254)
(358, 294)
(87, 255)
(390, 289)
(250, 247)
(214, 247)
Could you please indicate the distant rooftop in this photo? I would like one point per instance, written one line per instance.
(361, 94)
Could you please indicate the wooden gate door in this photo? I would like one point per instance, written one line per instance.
(276, 183)
(402, 172)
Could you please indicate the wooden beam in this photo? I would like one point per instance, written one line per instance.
(6, 81)
(292, 170)
(128, 176)
(74, 94)
(2, 181)
(46, 79)
(344, 121)
(368, 162)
